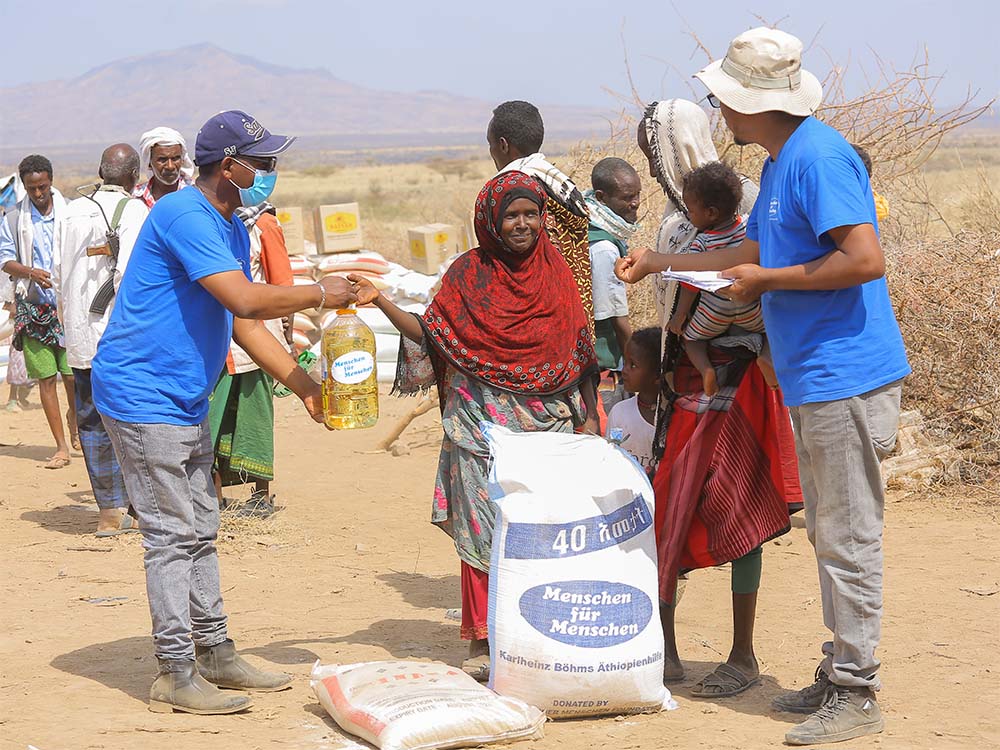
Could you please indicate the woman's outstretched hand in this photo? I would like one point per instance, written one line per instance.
(363, 287)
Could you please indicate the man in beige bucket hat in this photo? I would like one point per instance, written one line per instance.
(813, 257)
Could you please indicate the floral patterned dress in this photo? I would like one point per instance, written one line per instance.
(462, 506)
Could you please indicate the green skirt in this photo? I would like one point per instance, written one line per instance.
(241, 415)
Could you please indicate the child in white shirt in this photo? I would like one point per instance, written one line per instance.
(630, 422)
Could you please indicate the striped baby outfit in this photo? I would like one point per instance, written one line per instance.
(713, 315)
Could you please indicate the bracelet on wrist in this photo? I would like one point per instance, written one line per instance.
(322, 298)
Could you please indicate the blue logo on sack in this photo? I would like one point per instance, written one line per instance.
(545, 541)
(588, 614)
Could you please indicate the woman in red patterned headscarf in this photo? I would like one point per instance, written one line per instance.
(505, 341)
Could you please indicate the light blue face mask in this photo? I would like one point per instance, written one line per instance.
(260, 190)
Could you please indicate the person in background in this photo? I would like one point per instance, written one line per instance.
(186, 294)
(164, 153)
(29, 236)
(631, 422)
(613, 203)
(505, 342)
(881, 202)
(83, 264)
(241, 408)
(514, 136)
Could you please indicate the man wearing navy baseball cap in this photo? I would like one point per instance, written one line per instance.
(164, 347)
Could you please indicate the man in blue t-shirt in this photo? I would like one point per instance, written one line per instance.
(165, 345)
(813, 258)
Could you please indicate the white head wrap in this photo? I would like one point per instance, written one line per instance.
(680, 141)
(165, 137)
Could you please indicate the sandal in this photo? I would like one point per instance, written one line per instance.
(477, 667)
(260, 505)
(58, 462)
(128, 525)
(724, 682)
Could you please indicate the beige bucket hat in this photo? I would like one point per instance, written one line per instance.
(762, 72)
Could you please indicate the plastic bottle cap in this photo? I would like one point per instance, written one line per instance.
(347, 311)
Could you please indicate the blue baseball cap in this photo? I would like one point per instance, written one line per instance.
(235, 133)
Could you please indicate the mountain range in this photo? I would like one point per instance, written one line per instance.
(184, 87)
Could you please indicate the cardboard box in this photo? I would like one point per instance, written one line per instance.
(338, 228)
(431, 245)
(292, 227)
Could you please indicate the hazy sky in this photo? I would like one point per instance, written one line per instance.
(547, 51)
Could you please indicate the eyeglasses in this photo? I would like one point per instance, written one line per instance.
(267, 163)
(713, 100)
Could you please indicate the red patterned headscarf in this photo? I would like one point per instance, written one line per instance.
(512, 321)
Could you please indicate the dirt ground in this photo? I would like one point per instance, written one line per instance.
(351, 570)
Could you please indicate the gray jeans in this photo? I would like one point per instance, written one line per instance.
(840, 445)
(168, 475)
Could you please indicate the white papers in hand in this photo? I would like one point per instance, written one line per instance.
(709, 281)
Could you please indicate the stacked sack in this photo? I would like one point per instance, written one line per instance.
(304, 327)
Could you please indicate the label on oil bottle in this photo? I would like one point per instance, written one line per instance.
(353, 367)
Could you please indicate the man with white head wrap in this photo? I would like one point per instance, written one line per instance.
(164, 153)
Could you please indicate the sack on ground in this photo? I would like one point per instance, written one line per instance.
(573, 611)
(410, 705)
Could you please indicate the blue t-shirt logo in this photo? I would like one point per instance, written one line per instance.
(772, 210)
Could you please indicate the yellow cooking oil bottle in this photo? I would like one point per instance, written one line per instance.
(350, 381)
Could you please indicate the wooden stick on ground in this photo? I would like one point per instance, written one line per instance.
(425, 404)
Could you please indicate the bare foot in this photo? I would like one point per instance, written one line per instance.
(479, 647)
(477, 665)
(59, 460)
(673, 671)
(709, 381)
(74, 432)
(109, 519)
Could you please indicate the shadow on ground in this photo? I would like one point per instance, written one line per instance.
(74, 520)
(127, 665)
(426, 592)
(755, 701)
(402, 639)
(37, 453)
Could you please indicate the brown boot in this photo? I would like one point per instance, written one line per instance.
(222, 666)
(179, 687)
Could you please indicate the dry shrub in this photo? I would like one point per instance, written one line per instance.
(946, 293)
(981, 204)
